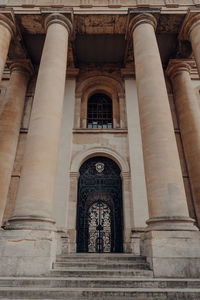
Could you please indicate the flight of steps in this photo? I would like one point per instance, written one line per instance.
(99, 276)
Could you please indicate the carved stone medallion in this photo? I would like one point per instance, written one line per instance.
(99, 167)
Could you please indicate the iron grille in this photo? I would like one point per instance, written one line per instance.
(99, 112)
(99, 211)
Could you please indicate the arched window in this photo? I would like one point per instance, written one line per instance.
(99, 112)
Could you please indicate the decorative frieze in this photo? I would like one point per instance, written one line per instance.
(100, 3)
(114, 3)
(172, 3)
(144, 3)
(196, 2)
(40, 3)
(90, 3)
(86, 3)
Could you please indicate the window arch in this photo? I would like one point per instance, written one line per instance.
(99, 112)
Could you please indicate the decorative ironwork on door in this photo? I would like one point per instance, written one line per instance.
(99, 227)
(99, 211)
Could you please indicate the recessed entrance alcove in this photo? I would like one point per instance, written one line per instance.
(99, 211)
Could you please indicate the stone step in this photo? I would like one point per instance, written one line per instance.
(72, 272)
(101, 265)
(75, 282)
(97, 293)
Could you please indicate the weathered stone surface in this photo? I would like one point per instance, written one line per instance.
(7, 29)
(165, 189)
(89, 281)
(188, 112)
(37, 184)
(26, 252)
(31, 252)
(10, 122)
(170, 253)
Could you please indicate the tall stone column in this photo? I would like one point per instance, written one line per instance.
(7, 30)
(36, 189)
(191, 32)
(10, 121)
(189, 121)
(165, 189)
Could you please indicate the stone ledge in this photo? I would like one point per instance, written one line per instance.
(100, 131)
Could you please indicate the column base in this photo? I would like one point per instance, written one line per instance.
(171, 223)
(172, 253)
(27, 252)
(30, 223)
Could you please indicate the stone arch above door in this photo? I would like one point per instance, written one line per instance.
(81, 157)
(123, 164)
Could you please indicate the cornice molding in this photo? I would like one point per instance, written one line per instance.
(72, 73)
(128, 73)
(111, 4)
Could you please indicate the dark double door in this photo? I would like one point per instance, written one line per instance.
(99, 211)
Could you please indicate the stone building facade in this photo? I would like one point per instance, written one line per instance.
(93, 86)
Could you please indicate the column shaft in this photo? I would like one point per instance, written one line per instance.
(191, 32)
(6, 30)
(36, 190)
(165, 189)
(189, 121)
(195, 41)
(10, 122)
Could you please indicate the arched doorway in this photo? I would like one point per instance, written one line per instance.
(99, 211)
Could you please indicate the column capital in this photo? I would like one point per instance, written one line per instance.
(191, 21)
(22, 65)
(6, 22)
(144, 18)
(176, 67)
(60, 19)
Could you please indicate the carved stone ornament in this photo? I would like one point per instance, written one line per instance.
(99, 167)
